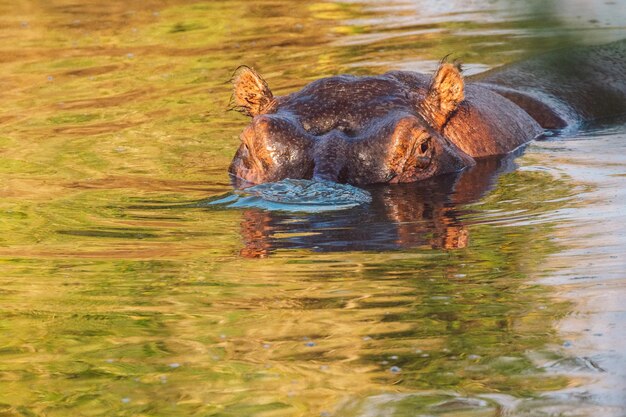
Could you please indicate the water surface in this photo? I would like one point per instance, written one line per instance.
(494, 292)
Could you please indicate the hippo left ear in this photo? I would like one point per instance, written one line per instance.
(251, 94)
(445, 93)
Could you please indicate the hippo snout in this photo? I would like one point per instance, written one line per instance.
(272, 148)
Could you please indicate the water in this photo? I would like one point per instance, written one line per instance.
(497, 292)
(294, 195)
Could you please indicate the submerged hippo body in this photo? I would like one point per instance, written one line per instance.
(405, 126)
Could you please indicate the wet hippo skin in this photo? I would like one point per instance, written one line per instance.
(404, 126)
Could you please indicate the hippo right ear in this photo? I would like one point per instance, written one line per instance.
(444, 95)
(251, 94)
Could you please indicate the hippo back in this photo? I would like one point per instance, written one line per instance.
(567, 86)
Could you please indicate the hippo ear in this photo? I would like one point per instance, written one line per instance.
(251, 94)
(445, 93)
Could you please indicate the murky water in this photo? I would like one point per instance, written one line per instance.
(499, 292)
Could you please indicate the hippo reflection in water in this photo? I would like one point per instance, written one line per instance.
(404, 126)
(427, 214)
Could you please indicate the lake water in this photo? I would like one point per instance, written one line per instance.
(123, 293)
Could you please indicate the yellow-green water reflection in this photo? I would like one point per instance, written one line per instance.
(120, 295)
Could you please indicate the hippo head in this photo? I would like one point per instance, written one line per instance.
(356, 130)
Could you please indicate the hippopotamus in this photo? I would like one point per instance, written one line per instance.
(406, 126)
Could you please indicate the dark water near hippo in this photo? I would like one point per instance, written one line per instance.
(497, 292)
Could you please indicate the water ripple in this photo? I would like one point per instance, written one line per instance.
(297, 195)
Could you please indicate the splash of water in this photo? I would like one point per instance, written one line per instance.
(297, 195)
